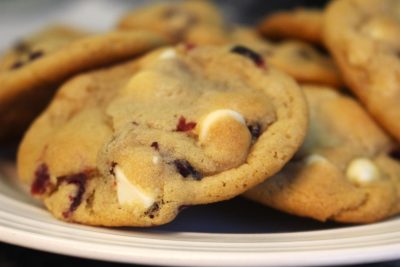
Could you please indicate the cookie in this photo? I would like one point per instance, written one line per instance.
(133, 144)
(302, 24)
(298, 59)
(30, 73)
(346, 170)
(197, 22)
(365, 45)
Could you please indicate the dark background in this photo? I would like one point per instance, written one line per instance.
(243, 11)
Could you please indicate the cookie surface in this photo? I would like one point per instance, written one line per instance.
(363, 37)
(30, 73)
(345, 170)
(302, 24)
(298, 59)
(133, 144)
(197, 22)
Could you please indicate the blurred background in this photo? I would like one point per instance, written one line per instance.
(21, 17)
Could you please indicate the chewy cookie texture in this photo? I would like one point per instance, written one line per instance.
(303, 24)
(31, 71)
(183, 126)
(298, 59)
(347, 169)
(196, 22)
(365, 44)
(129, 135)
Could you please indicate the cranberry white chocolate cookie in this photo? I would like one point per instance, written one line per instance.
(347, 169)
(298, 59)
(364, 38)
(193, 21)
(133, 144)
(303, 24)
(31, 71)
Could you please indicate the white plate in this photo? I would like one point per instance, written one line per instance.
(235, 233)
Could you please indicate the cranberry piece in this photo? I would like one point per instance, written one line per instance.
(78, 180)
(244, 51)
(185, 169)
(42, 180)
(255, 130)
(184, 126)
(35, 55)
(189, 46)
(17, 65)
(395, 154)
(155, 146)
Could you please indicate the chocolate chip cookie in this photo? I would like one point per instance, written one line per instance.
(133, 144)
(363, 36)
(347, 169)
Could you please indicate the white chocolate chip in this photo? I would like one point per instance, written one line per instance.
(156, 159)
(362, 171)
(129, 193)
(315, 158)
(168, 54)
(215, 116)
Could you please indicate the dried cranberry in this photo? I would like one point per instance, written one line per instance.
(42, 180)
(184, 126)
(18, 64)
(155, 146)
(244, 51)
(185, 169)
(35, 55)
(189, 46)
(395, 154)
(255, 130)
(80, 181)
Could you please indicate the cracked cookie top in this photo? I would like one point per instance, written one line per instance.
(181, 126)
(346, 170)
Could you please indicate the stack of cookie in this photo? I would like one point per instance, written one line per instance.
(177, 107)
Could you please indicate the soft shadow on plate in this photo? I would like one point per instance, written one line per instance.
(239, 215)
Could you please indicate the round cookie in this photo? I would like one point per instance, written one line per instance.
(365, 43)
(302, 24)
(133, 144)
(346, 170)
(197, 22)
(298, 59)
(30, 73)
